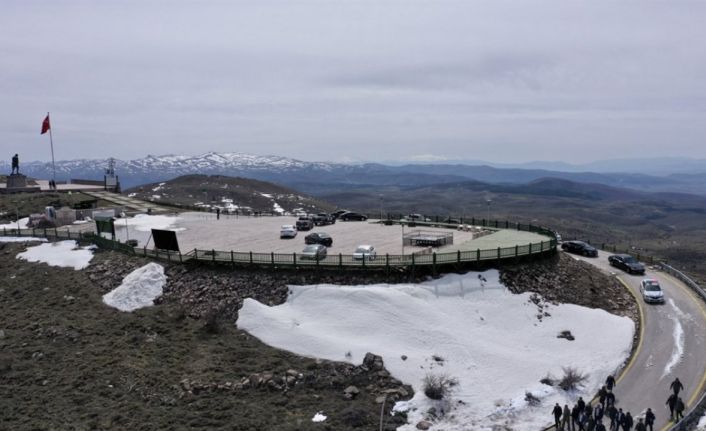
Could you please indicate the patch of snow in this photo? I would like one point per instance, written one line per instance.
(156, 197)
(278, 209)
(158, 188)
(131, 195)
(21, 239)
(678, 334)
(62, 253)
(80, 222)
(139, 289)
(701, 426)
(145, 222)
(22, 223)
(267, 195)
(490, 339)
(319, 417)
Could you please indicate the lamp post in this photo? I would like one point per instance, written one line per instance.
(381, 206)
(488, 201)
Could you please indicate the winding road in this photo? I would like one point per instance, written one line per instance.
(672, 345)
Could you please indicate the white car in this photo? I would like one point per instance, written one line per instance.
(365, 252)
(288, 231)
(651, 290)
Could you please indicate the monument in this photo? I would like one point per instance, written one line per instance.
(16, 180)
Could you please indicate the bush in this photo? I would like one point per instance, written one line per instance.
(438, 386)
(572, 379)
(531, 399)
(548, 380)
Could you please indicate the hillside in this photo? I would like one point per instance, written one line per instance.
(667, 225)
(228, 193)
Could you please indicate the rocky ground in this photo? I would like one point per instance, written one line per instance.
(67, 361)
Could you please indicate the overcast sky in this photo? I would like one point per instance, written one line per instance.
(354, 80)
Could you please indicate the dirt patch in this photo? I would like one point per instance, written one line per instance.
(67, 361)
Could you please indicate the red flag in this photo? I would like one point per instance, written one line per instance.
(45, 125)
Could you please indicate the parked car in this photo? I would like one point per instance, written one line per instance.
(323, 219)
(287, 231)
(319, 238)
(313, 252)
(417, 217)
(351, 216)
(336, 214)
(365, 252)
(651, 290)
(627, 263)
(305, 223)
(579, 247)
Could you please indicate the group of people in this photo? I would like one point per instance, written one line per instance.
(585, 417)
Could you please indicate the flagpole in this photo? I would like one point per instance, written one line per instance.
(51, 142)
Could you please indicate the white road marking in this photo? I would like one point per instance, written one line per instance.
(678, 350)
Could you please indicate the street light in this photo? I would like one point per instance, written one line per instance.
(488, 201)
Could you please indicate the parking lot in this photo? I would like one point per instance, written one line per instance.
(261, 234)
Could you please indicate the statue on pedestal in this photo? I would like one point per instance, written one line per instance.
(15, 165)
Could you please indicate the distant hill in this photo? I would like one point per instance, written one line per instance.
(229, 193)
(311, 176)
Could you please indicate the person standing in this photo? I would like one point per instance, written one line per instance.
(619, 419)
(566, 418)
(679, 409)
(581, 403)
(557, 415)
(574, 417)
(218, 213)
(610, 382)
(610, 398)
(676, 386)
(602, 393)
(649, 419)
(671, 402)
(598, 413)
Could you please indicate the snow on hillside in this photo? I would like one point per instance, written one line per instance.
(139, 289)
(479, 333)
(62, 253)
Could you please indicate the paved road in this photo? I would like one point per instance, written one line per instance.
(672, 346)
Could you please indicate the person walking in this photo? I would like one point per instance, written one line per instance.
(671, 402)
(640, 425)
(610, 398)
(610, 382)
(218, 213)
(590, 424)
(619, 419)
(566, 418)
(612, 414)
(581, 403)
(676, 386)
(600, 426)
(627, 422)
(598, 413)
(649, 419)
(602, 394)
(557, 415)
(574, 417)
(679, 409)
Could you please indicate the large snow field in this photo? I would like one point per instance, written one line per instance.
(489, 339)
(62, 253)
(22, 223)
(139, 288)
(21, 239)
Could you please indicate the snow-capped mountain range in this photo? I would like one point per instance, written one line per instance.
(311, 176)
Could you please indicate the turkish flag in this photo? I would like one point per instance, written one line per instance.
(45, 125)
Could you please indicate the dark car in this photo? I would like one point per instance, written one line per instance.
(351, 216)
(336, 214)
(319, 238)
(579, 247)
(313, 252)
(323, 219)
(305, 223)
(627, 263)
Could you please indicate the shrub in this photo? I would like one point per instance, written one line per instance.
(438, 386)
(548, 380)
(531, 399)
(572, 379)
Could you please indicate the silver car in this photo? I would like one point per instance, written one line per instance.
(651, 291)
(365, 252)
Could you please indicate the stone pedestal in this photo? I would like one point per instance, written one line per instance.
(16, 181)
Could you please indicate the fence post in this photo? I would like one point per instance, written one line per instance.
(507, 224)
(498, 253)
(169, 256)
(4, 232)
(517, 250)
(458, 256)
(541, 246)
(473, 220)
(530, 248)
(19, 232)
(387, 260)
(68, 233)
(340, 260)
(180, 257)
(412, 260)
(251, 258)
(45, 233)
(196, 253)
(272, 253)
(144, 253)
(433, 262)
(213, 256)
(478, 254)
(294, 258)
